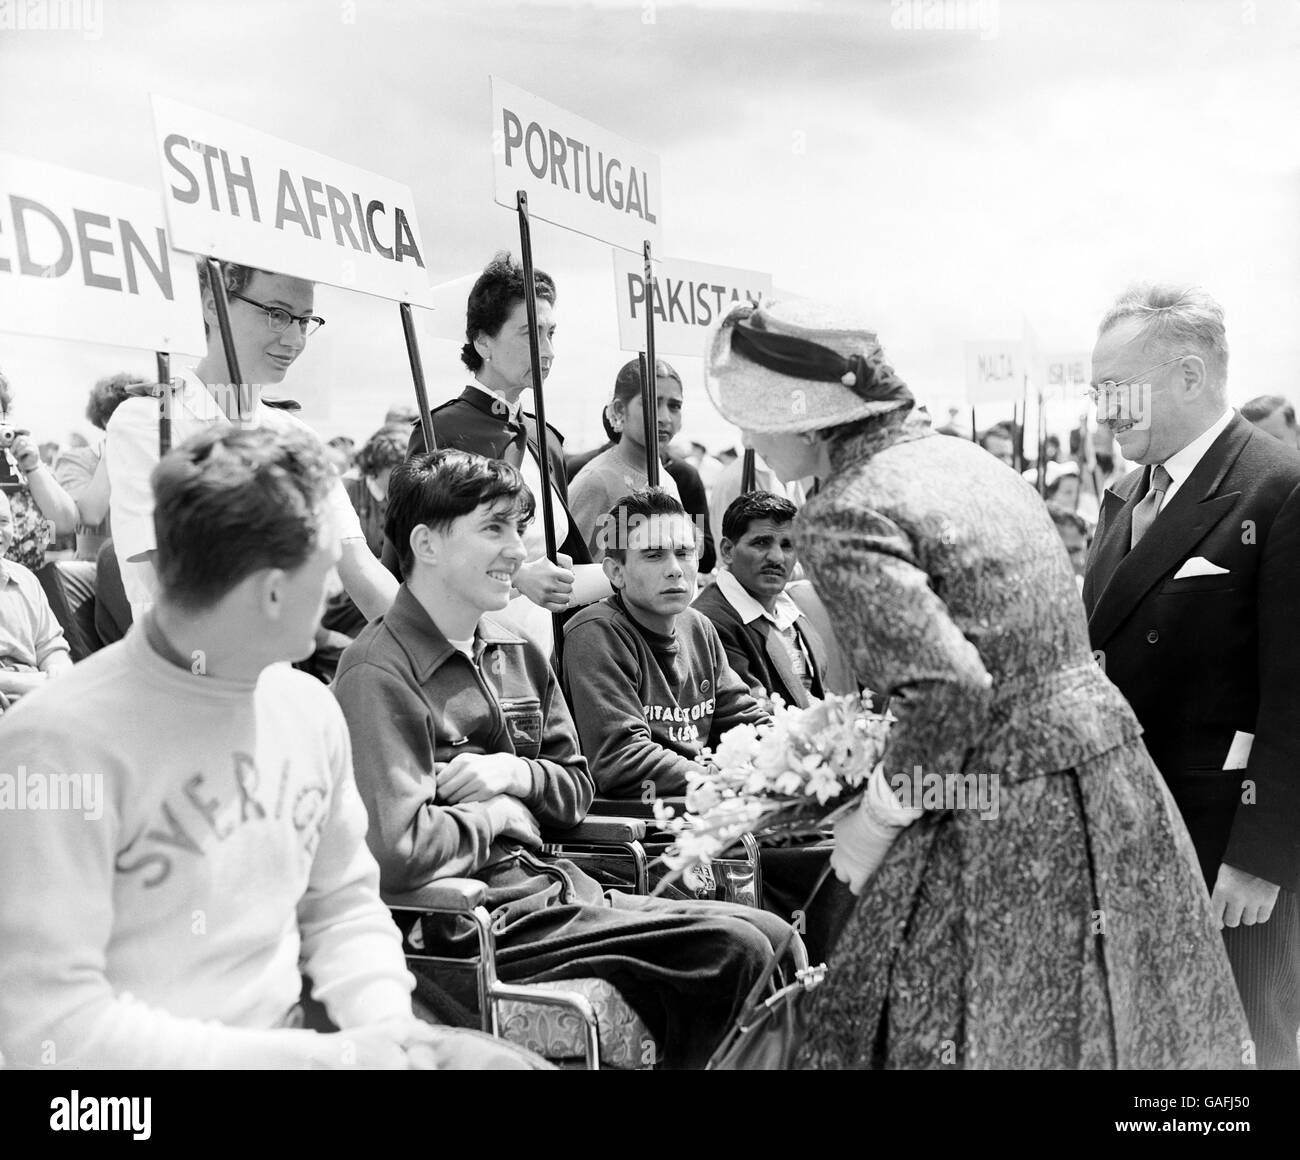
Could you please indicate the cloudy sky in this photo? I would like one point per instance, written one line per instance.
(946, 184)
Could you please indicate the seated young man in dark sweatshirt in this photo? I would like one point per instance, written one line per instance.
(650, 685)
(464, 748)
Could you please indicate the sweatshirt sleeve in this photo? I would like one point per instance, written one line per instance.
(57, 1005)
(350, 947)
(413, 839)
(603, 674)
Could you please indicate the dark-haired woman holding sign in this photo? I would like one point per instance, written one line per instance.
(488, 419)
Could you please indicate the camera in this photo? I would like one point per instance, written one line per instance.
(8, 434)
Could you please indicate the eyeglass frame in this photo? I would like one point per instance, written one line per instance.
(1109, 387)
(300, 319)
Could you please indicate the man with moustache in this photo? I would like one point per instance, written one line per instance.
(1193, 596)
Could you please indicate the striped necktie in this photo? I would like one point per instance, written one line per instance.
(1145, 513)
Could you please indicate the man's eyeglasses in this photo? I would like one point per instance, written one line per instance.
(278, 319)
(1108, 388)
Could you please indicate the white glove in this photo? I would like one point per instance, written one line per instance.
(864, 837)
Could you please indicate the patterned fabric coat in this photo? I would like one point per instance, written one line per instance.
(1072, 929)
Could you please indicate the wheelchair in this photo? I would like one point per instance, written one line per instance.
(574, 1022)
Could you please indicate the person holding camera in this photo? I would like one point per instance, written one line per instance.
(40, 509)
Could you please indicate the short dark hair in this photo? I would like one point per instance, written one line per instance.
(755, 505)
(235, 276)
(1262, 406)
(437, 488)
(385, 448)
(230, 503)
(647, 505)
(107, 395)
(494, 295)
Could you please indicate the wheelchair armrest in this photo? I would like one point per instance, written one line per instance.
(599, 831)
(632, 807)
(450, 895)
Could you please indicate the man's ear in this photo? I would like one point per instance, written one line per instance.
(424, 544)
(613, 572)
(725, 549)
(268, 591)
(1195, 377)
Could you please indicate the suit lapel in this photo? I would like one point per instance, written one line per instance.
(1185, 521)
(1114, 530)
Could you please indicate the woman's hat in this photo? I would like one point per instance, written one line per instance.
(791, 365)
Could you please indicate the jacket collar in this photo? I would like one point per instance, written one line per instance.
(423, 642)
(1124, 577)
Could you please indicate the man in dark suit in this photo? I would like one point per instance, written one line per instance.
(1193, 597)
(770, 644)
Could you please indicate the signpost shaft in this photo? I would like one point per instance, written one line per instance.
(164, 364)
(417, 375)
(217, 280)
(748, 472)
(649, 385)
(539, 403)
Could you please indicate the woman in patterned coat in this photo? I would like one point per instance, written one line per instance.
(1056, 918)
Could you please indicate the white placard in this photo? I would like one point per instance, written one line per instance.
(239, 194)
(1065, 375)
(994, 372)
(85, 258)
(686, 297)
(576, 174)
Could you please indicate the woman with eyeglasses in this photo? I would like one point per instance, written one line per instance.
(271, 317)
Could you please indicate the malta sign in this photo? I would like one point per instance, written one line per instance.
(576, 174)
(994, 372)
(85, 258)
(236, 193)
(686, 298)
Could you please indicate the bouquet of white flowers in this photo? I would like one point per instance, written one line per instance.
(786, 779)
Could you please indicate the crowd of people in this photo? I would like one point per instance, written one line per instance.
(215, 898)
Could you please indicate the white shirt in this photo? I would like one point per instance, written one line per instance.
(784, 612)
(131, 449)
(1182, 463)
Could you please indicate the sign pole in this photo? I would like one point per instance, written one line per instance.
(417, 375)
(649, 393)
(1042, 445)
(217, 280)
(748, 472)
(539, 402)
(164, 363)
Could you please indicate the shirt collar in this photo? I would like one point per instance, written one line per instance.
(5, 574)
(199, 401)
(783, 615)
(1182, 463)
(423, 641)
(512, 410)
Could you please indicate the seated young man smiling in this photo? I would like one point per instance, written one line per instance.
(465, 748)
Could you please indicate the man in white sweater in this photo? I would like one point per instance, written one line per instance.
(180, 833)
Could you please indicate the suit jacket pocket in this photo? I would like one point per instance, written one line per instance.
(1221, 582)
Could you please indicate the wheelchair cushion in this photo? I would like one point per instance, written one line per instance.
(559, 1034)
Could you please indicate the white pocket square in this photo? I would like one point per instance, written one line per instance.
(1199, 566)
